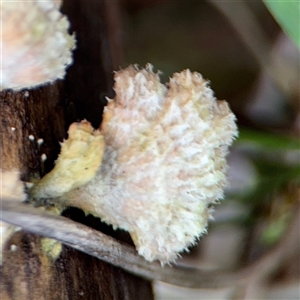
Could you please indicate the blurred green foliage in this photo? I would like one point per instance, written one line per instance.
(268, 140)
(287, 14)
(268, 199)
(275, 230)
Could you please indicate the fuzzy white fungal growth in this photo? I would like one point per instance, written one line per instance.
(35, 45)
(164, 161)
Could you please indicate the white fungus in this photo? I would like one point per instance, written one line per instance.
(13, 248)
(36, 47)
(164, 162)
(43, 157)
(40, 142)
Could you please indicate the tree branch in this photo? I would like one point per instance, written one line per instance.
(105, 248)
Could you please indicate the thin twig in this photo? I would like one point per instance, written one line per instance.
(99, 245)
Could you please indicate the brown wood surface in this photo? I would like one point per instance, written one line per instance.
(46, 112)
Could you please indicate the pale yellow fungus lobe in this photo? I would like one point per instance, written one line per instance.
(51, 248)
(35, 43)
(164, 161)
(78, 162)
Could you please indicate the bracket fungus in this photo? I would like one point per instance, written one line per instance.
(163, 165)
(36, 47)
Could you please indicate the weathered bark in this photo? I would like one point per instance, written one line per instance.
(46, 112)
(28, 273)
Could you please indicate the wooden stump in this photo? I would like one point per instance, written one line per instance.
(45, 113)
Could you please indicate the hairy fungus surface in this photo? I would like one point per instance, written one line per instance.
(35, 43)
(164, 161)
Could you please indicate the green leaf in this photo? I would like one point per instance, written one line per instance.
(267, 140)
(275, 229)
(287, 14)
